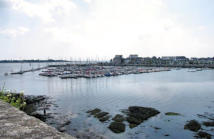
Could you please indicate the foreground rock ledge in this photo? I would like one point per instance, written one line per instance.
(16, 124)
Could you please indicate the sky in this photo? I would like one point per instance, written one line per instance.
(100, 29)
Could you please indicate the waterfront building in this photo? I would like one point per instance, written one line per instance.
(133, 56)
(171, 58)
(134, 59)
(117, 60)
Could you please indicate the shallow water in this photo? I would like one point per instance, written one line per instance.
(188, 93)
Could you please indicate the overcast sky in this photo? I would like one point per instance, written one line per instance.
(103, 28)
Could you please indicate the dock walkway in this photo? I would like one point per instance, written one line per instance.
(15, 124)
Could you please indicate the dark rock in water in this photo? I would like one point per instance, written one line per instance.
(89, 135)
(93, 112)
(207, 115)
(125, 111)
(166, 135)
(156, 128)
(193, 125)
(132, 125)
(34, 99)
(101, 114)
(142, 112)
(136, 114)
(62, 129)
(36, 103)
(117, 127)
(205, 135)
(172, 114)
(42, 117)
(208, 123)
(105, 118)
(39, 116)
(133, 120)
(118, 118)
(66, 123)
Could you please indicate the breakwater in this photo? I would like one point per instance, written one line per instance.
(25, 71)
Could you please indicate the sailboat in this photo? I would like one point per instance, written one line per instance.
(19, 72)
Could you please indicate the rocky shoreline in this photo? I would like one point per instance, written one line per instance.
(136, 115)
(38, 106)
(35, 104)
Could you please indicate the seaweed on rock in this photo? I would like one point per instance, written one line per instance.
(192, 125)
(117, 127)
(136, 115)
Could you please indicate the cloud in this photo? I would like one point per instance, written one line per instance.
(43, 9)
(115, 26)
(88, 1)
(12, 33)
(103, 28)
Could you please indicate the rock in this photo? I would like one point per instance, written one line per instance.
(142, 113)
(74, 129)
(93, 112)
(101, 114)
(172, 114)
(117, 127)
(133, 120)
(207, 115)
(202, 134)
(118, 118)
(166, 135)
(62, 129)
(39, 116)
(66, 123)
(34, 99)
(105, 118)
(125, 111)
(136, 114)
(208, 123)
(132, 125)
(193, 125)
(156, 128)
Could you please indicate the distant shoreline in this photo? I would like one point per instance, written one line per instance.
(31, 61)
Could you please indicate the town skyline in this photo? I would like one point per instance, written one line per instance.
(94, 59)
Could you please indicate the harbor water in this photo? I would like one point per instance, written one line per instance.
(180, 91)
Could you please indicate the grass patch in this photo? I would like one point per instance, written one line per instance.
(15, 99)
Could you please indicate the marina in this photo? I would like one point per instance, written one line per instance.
(95, 71)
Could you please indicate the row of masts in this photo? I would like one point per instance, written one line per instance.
(71, 62)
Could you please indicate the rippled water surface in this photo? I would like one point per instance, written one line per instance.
(188, 93)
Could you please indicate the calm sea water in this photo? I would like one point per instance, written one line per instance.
(188, 93)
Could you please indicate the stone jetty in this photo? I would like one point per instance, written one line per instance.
(17, 124)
